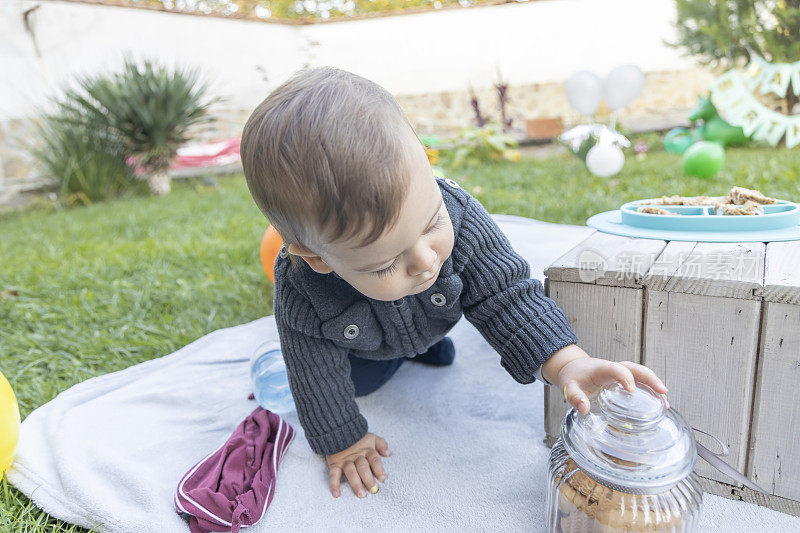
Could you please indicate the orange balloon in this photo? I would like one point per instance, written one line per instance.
(270, 246)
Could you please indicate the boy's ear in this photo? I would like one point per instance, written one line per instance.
(316, 263)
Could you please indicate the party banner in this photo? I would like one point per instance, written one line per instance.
(732, 95)
(793, 134)
(796, 81)
(756, 71)
(772, 77)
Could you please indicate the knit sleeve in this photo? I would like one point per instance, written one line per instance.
(509, 308)
(319, 378)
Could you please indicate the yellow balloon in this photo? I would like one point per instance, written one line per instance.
(9, 424)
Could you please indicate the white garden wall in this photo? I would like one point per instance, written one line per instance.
(535, 45)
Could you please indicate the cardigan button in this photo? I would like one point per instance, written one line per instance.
(351, 332)
(283, 251)
(398, 303)
(438, 299)
(451, 183)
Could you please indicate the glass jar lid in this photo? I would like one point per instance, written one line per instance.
(630, 441)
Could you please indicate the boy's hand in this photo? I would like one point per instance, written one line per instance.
(359, 462)
(579, 375)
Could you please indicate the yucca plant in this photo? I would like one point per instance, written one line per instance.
(148, 108)
(88, 165)
(86, 161)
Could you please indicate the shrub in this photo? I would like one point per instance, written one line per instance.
(88, 165)
(475, 145)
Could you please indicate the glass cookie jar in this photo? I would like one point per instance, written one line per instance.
(627, 465)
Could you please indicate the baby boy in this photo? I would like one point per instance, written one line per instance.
(381, 259)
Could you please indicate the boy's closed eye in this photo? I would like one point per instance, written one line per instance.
(384, 272)
(436, 225)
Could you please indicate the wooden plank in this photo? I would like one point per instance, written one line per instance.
(608, 323)
(605, 259)
(704, 348)
(782, 275)
(731, 270)
(774, 452)
(743, 494)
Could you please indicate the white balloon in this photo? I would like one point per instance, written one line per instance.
(584, 91)
(622, 86)
(604, 160)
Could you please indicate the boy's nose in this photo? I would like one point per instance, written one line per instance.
(423, 261)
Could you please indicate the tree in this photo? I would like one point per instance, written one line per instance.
(723, 32)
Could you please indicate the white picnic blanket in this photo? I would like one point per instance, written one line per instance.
(466, 440)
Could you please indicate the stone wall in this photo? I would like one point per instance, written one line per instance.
(18, 170)
(665, 101)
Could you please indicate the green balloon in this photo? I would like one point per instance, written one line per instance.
(430, 140)
(703, 159)
(678, 140)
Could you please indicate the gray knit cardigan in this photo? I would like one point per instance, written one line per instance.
(321, 317)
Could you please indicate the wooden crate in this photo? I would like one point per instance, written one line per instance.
(719, 323)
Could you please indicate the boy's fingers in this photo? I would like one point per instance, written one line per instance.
(575, 396)
(354, 479)
(377, 467)
(645, 375)
(382, 446)
(364, 470)
(622, 374)
(335, 478)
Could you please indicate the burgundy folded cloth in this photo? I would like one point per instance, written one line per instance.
(234, 485)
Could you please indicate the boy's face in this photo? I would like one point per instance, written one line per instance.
(407, 257)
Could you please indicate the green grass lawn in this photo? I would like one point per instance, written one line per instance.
(87, 291)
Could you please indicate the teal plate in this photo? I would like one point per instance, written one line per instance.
(701, 218)
(779, 223)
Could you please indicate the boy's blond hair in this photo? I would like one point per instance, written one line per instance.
(323, 159)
